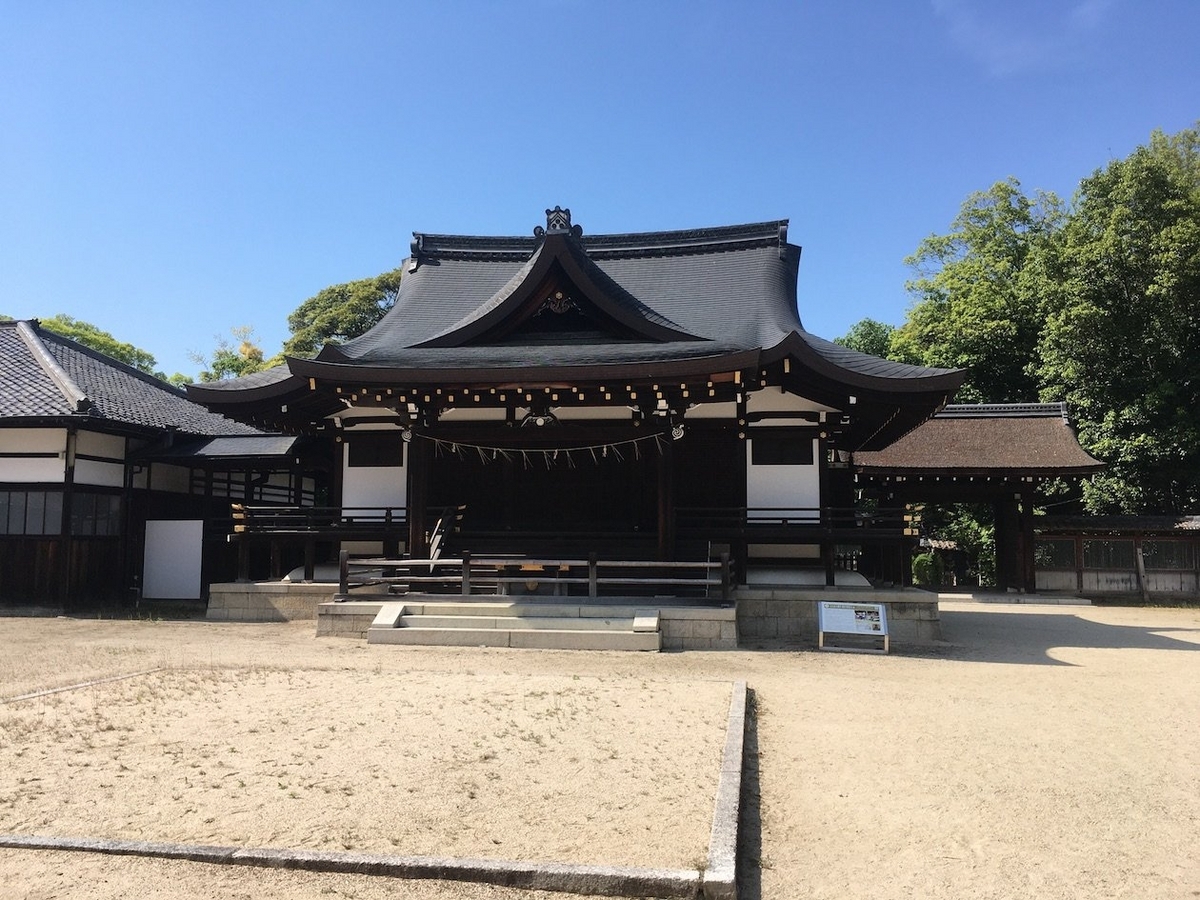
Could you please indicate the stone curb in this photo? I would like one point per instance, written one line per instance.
(720, 876)
(616, 881)
(717, 882)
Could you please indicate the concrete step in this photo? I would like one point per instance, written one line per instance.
(534, 638)
(515, 623)
(518, 608)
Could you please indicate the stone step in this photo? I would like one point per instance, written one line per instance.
(523, 623)
(517, 608)
(534, 638)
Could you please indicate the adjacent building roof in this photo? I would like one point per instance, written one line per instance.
(47, 377)
(986, 439)
(242, 446)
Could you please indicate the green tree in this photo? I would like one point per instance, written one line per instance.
(233, 359)
(1122, 344)
(979, 293)
(341, 312)
(868, 336)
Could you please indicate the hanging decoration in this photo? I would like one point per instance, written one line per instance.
(549, 456)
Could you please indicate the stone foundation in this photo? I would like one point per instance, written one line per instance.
(698, 628)
(273, 601)
(790, 614)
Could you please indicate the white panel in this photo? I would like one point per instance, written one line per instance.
(372, 486)
(33, 440)
(467, 414)
(713, 411)
(775, 399)
(90, 472)
(50, 469)
(109, 446)
(783, 487)
(172, 563)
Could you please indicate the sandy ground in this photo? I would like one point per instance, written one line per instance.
(1049, 752)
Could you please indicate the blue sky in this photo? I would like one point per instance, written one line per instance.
(171, 170)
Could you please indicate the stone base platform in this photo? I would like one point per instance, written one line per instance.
(559, 624)
(790, 612)
(266, 601)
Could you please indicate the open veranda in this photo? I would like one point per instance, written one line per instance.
(1042, 751)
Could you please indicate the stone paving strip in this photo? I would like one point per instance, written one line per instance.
(83, 684)
(716, 883)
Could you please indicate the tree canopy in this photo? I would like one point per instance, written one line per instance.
(868, 336)
(1122, 341)
(341, 312)
(232, 359)
(1097, 304)
(979, 299)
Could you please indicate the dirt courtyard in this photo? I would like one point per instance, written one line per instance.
(1042, 751)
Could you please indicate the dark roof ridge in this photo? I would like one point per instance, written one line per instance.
(649, 243)
(117, 364)
(30, 332)
(1004, 411)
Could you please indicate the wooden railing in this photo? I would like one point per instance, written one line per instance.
(315, 519)
(468, 576)
(737, 519)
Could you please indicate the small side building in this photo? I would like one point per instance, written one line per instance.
(113, 484)
(990, 453)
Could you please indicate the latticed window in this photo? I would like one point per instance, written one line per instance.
(1055, 553)
(30, 512)
(1108, 554)
(1169, 554)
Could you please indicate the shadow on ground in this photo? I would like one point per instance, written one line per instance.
(1017, 636)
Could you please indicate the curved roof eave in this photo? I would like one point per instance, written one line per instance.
(921, 380)
(250, 390)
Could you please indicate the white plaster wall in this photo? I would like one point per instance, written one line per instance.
(89, 471)
(785, 487)
(372, 486)
(33, 440)
(775, 399)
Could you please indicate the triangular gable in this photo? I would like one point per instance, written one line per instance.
(558, 290)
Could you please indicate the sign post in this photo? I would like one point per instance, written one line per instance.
(858, 619)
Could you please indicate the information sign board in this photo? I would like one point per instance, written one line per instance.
(861, 619)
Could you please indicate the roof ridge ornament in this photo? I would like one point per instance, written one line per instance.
(558, 221)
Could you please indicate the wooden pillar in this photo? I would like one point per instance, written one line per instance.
(825, 504)
(66, 569)
(740, 548)
(1028, 556)
(666, 501)
(418, 481)
(1008, 539)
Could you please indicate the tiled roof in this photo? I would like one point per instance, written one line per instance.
(44, 375)
(986, 439)
(726, 290)
(231, 446)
